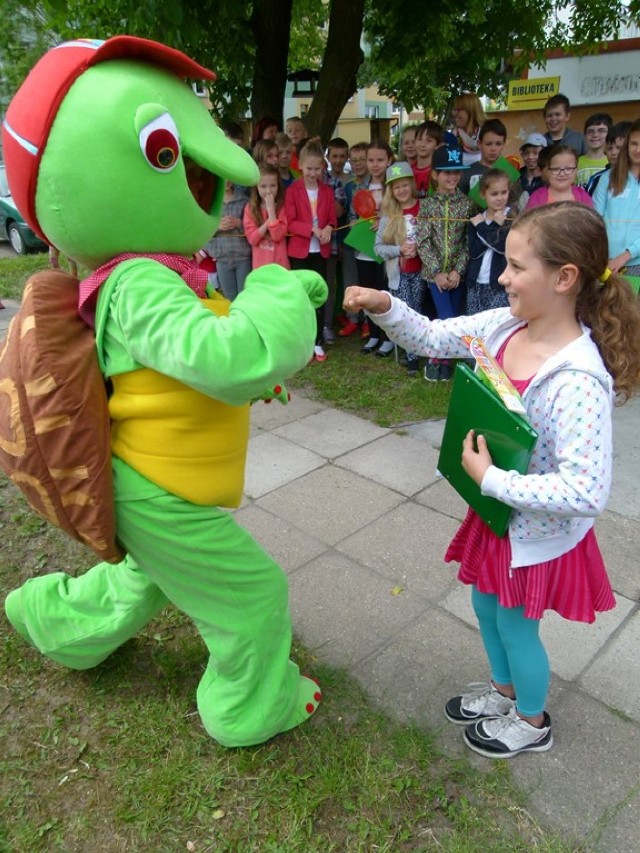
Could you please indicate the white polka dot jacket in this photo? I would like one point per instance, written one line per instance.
(569, 403)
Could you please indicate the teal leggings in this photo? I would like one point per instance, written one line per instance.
(515, 651)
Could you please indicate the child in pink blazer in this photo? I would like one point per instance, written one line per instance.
(311, 218)
(265, 221)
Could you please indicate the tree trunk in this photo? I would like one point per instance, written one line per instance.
(342, 58)
(270, 24)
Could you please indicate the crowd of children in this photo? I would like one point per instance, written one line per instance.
(439, 216)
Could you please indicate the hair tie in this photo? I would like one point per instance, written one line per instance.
(605, 275)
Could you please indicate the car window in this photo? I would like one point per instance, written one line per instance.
(4, 186)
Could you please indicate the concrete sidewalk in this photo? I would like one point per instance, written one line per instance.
(356, 516)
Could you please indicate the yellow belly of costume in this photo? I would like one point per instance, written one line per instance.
(189, 444)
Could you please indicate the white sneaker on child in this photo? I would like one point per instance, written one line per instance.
(479, 701)
(385, 350)
(504, 737)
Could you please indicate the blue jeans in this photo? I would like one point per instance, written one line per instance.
(448, 303)
(232, 274)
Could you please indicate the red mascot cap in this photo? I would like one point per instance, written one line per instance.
(35, 105)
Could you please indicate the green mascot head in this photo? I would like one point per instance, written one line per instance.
(108, 150)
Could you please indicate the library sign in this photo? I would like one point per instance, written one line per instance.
(531, 94)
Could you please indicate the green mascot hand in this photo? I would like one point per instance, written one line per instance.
(314, 284)
(278, 392)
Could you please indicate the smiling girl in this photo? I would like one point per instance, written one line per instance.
(487, 232)
(396, 241)
(559, 174)
(569, 341)
(370, 273)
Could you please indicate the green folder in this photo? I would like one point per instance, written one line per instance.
(362, 238)
(634, 282)
(510, 440)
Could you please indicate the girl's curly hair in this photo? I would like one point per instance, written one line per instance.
(567, 232)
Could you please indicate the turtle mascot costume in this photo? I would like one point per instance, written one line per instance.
(113, 159)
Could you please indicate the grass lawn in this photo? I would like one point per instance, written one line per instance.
(372, 387)
(14, 272)
(116, 759)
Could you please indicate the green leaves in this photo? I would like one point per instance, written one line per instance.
(454, 46)
(418, 58)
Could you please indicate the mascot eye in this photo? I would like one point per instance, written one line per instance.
(160, 143)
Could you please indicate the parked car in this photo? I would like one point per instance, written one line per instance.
(12, 225)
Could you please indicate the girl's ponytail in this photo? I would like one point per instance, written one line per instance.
(610, 308)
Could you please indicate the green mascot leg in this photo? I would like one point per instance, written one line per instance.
(211, 569)
(79, 622)
(237, 596)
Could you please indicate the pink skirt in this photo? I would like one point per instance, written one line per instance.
(575, 585)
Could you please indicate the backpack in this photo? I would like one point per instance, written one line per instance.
(55, 433)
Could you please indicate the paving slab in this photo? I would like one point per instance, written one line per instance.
(343, 611)
(625, 495)
(614, 677)
(423, 666)
(399, 462)
(441, 496)
(11, 308)
(427, 431)
(331, 432)
(268, 416)
(620, 832)
(330, 503)
(272, 462)
(407, 548)
(289, 547)
(619, 540)
(590, 771)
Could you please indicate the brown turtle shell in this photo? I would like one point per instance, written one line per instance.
(55, 435)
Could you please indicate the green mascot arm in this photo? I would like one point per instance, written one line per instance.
(147, 317)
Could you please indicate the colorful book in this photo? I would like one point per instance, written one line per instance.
(490, 372)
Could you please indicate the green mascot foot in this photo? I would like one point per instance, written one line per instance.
(13, 609)
(309, 696)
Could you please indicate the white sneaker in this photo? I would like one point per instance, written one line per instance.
(504, 737)
(319, 354)
(479, 701)
(385, 350)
